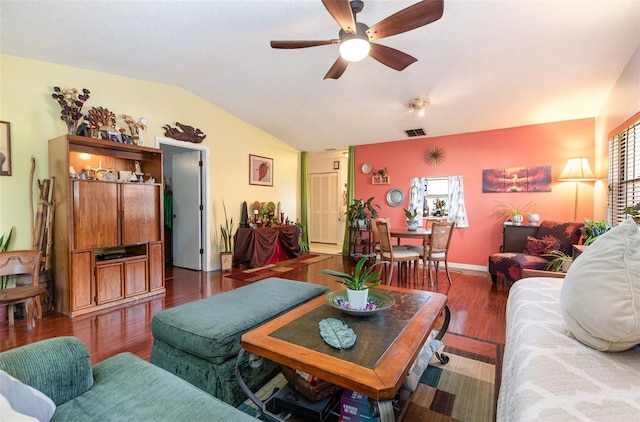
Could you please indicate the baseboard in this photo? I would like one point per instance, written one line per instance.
(469, 267)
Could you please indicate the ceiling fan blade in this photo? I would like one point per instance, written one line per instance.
(301, 44)
(342, 13)
(391, 57)
(337, 69)
(412, 17)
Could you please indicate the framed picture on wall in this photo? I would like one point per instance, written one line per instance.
(5, 148)
(260, 170)
(336, 165)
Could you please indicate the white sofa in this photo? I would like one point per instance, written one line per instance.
(548, 375)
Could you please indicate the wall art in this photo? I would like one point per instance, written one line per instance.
(517, 179)
(260, 170)
(5, 148)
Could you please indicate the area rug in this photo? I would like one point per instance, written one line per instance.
(464, 389)
(277, 269)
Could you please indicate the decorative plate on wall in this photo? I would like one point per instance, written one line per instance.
(366, 168)
(395, 197)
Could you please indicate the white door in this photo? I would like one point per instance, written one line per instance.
(187, 210)
(324, 208)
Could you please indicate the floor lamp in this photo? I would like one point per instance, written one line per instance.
(577, 170)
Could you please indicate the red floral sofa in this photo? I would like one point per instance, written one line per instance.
(549, 236)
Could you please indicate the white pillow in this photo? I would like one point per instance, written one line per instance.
(20, 402)
(600, 297)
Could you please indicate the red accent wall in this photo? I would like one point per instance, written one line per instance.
(467, 155)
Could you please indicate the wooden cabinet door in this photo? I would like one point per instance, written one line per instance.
(141, 213)
(109, 282)
(135, 277)
(95, 214)
(515, 237)
(82, 291)
(156, 266)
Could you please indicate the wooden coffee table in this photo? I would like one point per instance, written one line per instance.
(388, 343)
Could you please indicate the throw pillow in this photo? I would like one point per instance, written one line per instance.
(599, 296)
(21, 402)
(539, 247)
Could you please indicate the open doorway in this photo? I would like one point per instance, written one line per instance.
(327, 184)
(186, 175)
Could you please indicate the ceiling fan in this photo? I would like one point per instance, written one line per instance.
(355, 37)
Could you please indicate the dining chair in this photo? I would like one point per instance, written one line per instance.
(376, 235)
(403, 256)
(438, 249)
(27, 263)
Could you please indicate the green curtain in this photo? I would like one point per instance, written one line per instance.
(350, 194)
(304, 196)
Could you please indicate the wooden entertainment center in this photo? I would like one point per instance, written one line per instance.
(108, 234)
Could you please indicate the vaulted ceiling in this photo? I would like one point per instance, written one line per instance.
(483, 65)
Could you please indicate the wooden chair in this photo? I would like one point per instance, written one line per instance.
(438, 250)
(376, 235)
(402, 256)
(22, 263)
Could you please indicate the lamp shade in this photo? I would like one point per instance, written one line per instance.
(577, 170)
(354, 49)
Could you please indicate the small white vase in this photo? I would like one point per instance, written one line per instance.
(517, 219)
(357, 298)
(534, 219)
(412, 225)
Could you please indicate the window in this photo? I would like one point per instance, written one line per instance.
(436, 190)
(448, 190)
(624, 171)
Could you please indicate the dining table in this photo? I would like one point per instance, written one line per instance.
(419, 233)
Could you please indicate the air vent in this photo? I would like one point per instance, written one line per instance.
(412, 133)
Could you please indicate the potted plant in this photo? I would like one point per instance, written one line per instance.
(533, 217)
(440, 207)
(633, 212)
(592, 229)
(412, 222)
(506, 212)
(226, 242)
(358, 283)
(357, 212)
(560, 261)
(5, 241)
(304, 245)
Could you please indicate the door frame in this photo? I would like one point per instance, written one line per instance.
(206, 263)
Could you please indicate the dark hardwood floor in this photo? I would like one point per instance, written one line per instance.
(477, 309)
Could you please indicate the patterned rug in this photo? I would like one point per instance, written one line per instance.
(465, 389)
(277, 269)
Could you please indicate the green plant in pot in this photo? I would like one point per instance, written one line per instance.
(633, 212)
(5, 241)
(506, 212)
(364, 277)
(412, 219)
(560, 261)
(359, 211)
(226, 241)
(593, 229)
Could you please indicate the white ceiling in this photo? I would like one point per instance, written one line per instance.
(484, 64)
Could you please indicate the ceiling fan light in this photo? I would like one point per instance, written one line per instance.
(354, 49)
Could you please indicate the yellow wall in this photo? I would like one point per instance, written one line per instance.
(25, 102)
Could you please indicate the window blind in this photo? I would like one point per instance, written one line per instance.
(624, 172)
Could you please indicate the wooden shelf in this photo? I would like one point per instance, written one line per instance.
(380, 180)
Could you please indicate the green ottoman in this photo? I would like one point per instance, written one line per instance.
(200, 341)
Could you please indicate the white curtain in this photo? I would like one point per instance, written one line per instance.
(457, 210)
